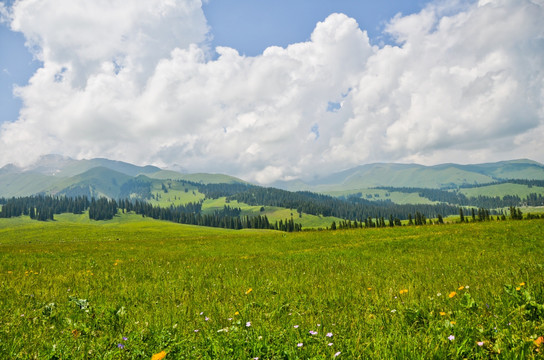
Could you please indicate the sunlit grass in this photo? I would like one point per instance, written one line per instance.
(76, 288)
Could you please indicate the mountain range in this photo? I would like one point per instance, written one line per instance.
(54, 174)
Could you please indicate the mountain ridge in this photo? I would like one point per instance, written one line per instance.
(55, 174)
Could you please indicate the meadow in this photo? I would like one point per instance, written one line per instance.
(131, 288)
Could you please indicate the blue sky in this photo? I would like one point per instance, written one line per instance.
(272, 90)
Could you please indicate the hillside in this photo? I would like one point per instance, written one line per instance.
(444, 176)
(54, 174)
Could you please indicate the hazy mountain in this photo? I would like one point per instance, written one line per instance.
(414, 175)
(55, 174)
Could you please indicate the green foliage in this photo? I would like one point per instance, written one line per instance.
(131, 287)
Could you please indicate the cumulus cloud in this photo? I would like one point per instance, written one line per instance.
(136, 82)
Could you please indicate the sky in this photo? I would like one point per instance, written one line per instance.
(272, 90)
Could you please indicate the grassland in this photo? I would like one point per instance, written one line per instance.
(502, 190)
(131, 287)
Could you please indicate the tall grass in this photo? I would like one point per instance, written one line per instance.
(130, 288)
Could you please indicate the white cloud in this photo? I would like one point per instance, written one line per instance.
(135, 82)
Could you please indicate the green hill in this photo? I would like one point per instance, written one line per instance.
(413, 175)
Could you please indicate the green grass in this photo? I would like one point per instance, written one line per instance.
(396, 197)
(502, 190)
(177, 194)
(75, 288)
(273, 213)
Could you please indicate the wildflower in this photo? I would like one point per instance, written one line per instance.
(237, 313)
(453, 322)
(330, 344)
(202, 313)
(466, 287)
(120, 346)
(75, 333)
(480, 343)
(452, 294)
(125, 338)
(249, 290)
(403, 291)
(248, 324)
(461, 287)
(393, 311)
(229, 319)
(538, 342)
(256, 358)
(522, 284)
(313, 332)
(442, 313)
(439, 294)
(318, 325)
(295, 326)
(159, 356)
(207, 318)
(518, 288)
(338, 353)
(451, 337)
(329, 334)
(300, 345)
(196, 330)
(369, 289)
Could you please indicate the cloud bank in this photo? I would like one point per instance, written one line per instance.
(137, 82)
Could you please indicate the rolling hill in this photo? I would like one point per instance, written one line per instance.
(443, 176)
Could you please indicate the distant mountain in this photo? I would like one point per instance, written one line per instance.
(414, 175)
(55, 174)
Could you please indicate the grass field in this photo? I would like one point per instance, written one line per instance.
(502, 190)
(131, 287)
(273, 213)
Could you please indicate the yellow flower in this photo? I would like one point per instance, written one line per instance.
(461, 287)
(522, 284)
(403, 291)
(369, 289)
(453, 322)
(452, 294)
(518, 288)
(539, 341)
(442, 313)
(10, 272)
(237, 313)
(159, 356)
(249, 290)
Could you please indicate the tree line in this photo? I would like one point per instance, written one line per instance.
(43, 208)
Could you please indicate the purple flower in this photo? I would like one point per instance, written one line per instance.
(330, 344)
(248, 324)
(207, 318)
(451, 337)
(120, 346)
(338, 353)
(125, 338)
(480, 343)
(313, 332)
(300, 345)
(196, 330)
(329, 335)
(295, 326)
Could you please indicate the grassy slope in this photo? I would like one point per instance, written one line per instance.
(24, 184)
(395, 196)
(155, 283)
(198, 177)
(503, 189)
(272, 213)
(176, 194)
